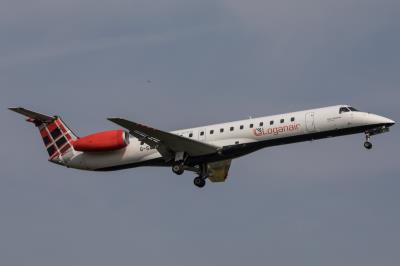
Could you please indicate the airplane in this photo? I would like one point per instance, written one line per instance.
(207, 151)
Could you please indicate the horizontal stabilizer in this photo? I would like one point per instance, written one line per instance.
(32, 115)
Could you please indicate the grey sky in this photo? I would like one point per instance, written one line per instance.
(323, 203)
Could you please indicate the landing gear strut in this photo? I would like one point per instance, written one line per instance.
(200, 181)
(367, 144)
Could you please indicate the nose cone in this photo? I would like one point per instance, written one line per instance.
(390, 122)
(383, 120)
(363, 119)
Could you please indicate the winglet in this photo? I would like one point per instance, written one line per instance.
(32, 115)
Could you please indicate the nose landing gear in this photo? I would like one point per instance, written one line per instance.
(367, 144)
(372, 132)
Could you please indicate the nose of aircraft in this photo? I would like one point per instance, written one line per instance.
(390, 122)
(384, 120)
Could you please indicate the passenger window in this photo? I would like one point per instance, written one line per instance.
(282, 120)
(221, 130)
(202, 133)
(271, 122)
(292, 119)
(190, 135)
(241, 127)
(251, 126)
(343, 110)
(261, 124)
(211, 131)
(232, 128)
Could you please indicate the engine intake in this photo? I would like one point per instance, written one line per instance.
(103, 141)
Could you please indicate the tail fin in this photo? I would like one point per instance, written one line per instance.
(57, 137)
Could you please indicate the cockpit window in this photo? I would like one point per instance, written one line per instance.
(353, 109)
(343, 110)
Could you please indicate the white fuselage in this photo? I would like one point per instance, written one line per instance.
(242, 136)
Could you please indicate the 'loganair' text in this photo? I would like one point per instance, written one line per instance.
(275, 130)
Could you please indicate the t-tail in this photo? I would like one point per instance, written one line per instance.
(57, 137)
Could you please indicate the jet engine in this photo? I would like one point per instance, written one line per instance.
(102, 141)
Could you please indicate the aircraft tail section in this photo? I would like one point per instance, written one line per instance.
(57, 137)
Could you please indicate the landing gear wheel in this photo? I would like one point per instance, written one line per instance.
(199, 182)
(178, 168)
(368, 145)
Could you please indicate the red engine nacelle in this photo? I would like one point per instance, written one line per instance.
(102, 141)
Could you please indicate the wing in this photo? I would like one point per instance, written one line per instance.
(166, 143)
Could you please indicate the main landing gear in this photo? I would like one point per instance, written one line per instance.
(178, 168)
(367, 144)
(179, 165)
(200, 181)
